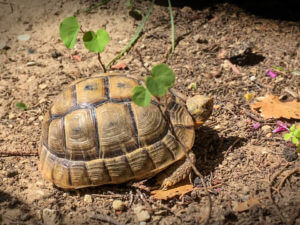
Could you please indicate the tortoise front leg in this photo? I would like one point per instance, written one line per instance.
(178, 171)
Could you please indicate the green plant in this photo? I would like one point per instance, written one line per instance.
(21, 105)
(94, 42)
(293, 135)
(158, 83)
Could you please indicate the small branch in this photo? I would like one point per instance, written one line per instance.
(81, 30)
(142, 61)
(283, 219)
(102, 65)
(8, 154)
(106, 218)
(133, 40)
(252, 116)
(296, 170)
(172, 27)
(231, 146)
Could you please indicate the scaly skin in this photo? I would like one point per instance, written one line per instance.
(178, 171)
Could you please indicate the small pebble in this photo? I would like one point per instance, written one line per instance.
(252, 78)
(24, 37)
(142, 214)
(118, 205)
(55, 54)
(31, 51)
(11, 116)
(268, 135)
(31, 64)
(50, 217)
(266, 128)
(88, 198)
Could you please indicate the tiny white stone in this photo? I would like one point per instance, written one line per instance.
(88, 198)
(252, 78)
(118, 205)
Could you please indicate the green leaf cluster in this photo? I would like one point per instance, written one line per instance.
(95, 42)
(158, 83)
(293, 135)
(21, 105)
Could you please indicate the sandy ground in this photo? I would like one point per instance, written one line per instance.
(240, 164)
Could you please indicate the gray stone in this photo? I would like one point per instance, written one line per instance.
(142, 214)
(50, 217)
(118, 205)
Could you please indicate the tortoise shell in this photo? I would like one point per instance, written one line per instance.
(94, 134)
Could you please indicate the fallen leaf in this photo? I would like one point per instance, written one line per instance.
(121, 66)
(76, 57)
(271, 107)
(243, 206)
(173, 192)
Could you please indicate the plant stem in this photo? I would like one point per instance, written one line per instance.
(102, 65)
(104, 2)
(134, 38)
(172, 27)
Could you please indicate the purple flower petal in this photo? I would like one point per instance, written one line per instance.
(280, 126)
(256, 126)
(271, 73)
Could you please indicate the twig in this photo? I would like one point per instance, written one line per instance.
(102, 65)
(106, 218)
(172, 27)
(283, 219)
(108, 196)
(133, 40)
(142, 61)
(231, 146)
(142, 197)
(8, 154)
(178, 39)
(296, 170)
(96, 6)
(81, 29)
(252, 116)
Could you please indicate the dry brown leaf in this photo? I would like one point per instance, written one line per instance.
(173, 192)
(243, 206)
(121, 66)
(272, 107)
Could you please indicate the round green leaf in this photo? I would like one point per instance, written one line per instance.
(297, 132)
(287, 136)
(96, 42)
(68, 31)
(164, 75)
(292, 128)
(155, 87)
(295, 140)
(141, 96)
(21, 105)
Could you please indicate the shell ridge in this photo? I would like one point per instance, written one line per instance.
(95, 122)
(136, 132)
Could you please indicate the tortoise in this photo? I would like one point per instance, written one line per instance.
(94, 134)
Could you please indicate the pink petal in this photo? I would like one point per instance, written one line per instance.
(280, 126)
(256, 126)
(271, 73)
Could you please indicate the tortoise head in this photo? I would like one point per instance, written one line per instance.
(200, 107)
